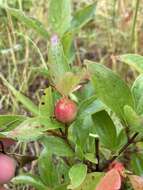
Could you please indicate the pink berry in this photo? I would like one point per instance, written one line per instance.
(7, 168)
(118, 166)
(111, 181)
(2, 188)
(65, 110)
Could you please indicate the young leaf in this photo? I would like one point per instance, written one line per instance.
(134, 60)
(59, 16)
(58, 64)
(32, 128)
(47, 169)
(106, 129)
(91, 181)
(57, 146)
(77, 174)
(110, 88)
(68, 82)
(46, 103)
(30, 180)
(111, 181)
(27, 103)
(137, 90)
(28, 21)
(83, 16)
(136, 181)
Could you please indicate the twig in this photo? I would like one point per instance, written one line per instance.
(97, 153)
(2, 147)
(66, 130)
(130, 141)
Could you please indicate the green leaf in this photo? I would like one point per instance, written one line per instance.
(137, 91)
(106, 129)
(57, 146)
(79, 132)
(90, 106)
(87, 91)
(46, 103)
(86, 103)
(83, 16)
(134, 60)
(28, 21)
(61, 187)
(68, 82)
(131, 117)
(33, 128)
(47, 169)
(59, 16)
(109, 88)
(8, 122)
(136, 164)
(77, 174)
(27, 103)
(91, 181)
(122, 139)
(91, 157)
(30, 180)
(58, 64)
(68, 46)
(62, 169)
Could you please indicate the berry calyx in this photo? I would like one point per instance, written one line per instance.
(65, 110)
(7, 168)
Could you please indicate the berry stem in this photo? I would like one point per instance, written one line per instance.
(66, 130)
(2, 147)
(97, 153)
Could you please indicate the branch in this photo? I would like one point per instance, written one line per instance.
(130, 141)
(97, 153)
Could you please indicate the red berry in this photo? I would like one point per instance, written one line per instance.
(65, 110)
(7, 168)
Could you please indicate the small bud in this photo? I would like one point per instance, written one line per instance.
(54, 40)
